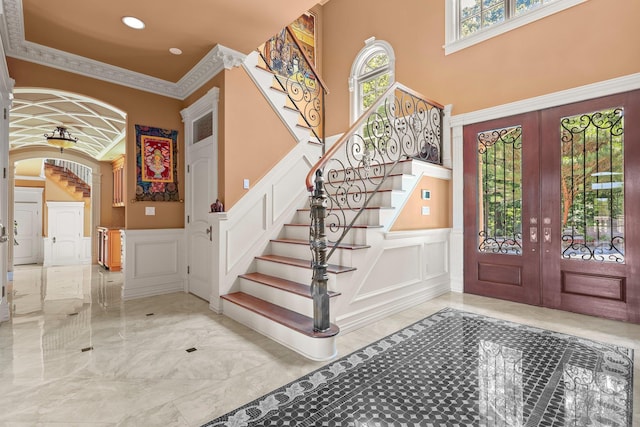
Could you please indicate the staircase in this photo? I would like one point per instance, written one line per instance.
(275, 296)
(69, 181)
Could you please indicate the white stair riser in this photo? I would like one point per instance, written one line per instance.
(357, 236)
(277, 296)
(288, 300)
(395, 182)
(381, 199)
(341, 256)
(337, 170)
(374, 217)
(298, 274)
(321, 349)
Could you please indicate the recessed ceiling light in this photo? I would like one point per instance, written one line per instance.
(175, 51)
(133, 22)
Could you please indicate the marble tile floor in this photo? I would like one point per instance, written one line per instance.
(135, 369)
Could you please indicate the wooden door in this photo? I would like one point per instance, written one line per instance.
(572, 244)
(591, 183)
(501, 206)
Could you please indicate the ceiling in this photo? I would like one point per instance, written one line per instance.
(99, 127)
(88, 37)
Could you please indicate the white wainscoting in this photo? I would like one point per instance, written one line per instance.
(154, 262)
(245, 231)
(401, 269)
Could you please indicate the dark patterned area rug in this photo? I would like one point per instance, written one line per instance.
(455, 368)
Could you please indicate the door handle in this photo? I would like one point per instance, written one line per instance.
(210, 233)
(54, 240)
(547, 234)
(3, 234)
(533, 234)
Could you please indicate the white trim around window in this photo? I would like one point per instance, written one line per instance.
(453, 45)
(371, 45)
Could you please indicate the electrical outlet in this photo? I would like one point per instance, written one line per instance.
(426, 210)
(149, 210)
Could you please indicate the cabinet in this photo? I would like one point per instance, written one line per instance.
(109, 248)
(118, 181)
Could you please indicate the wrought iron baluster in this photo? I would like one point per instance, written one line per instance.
(401, 124)
(298, 78)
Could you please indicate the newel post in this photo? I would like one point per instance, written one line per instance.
(318, 242)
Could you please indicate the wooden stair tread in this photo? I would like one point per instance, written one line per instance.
(368, 177)
(284, 284)
(367, 208)
(263, 67)
(304, 263)
(291, 319)
(306, 243)
(293, 224)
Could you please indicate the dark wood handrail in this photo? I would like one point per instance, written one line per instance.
(354, 128)
(306, 58)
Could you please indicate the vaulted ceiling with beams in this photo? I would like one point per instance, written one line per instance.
(89, 38)
(36, 112)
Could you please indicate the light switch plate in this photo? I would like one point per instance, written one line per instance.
(245, 184)
(149, 210)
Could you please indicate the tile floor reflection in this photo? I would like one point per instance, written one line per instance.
(135, 370)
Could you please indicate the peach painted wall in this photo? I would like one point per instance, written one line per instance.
(255, 137)
(142, 108)
(588, 43)
(411, 218)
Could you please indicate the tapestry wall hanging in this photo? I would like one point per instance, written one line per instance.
(156, 164)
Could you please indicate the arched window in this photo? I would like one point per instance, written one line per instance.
(372, 73)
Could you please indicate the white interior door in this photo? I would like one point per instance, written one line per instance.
(27, 233)
(65, 225)
(5, 89)
(201, 176)
(27, 216)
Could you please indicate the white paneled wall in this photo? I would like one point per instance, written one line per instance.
(154, 262)
(401, 270)
(246, 230)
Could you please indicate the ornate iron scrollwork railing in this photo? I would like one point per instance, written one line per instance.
(298, 78)
(593, 186)
(401, 124)
(500, 204)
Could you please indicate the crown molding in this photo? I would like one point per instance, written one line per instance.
(590, 91)
(15, 45)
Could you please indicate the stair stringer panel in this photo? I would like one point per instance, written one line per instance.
(247, 229)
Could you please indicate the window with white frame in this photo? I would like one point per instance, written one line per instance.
(471, 21)
(372, 73)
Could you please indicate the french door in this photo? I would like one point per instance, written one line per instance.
(551, 204)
